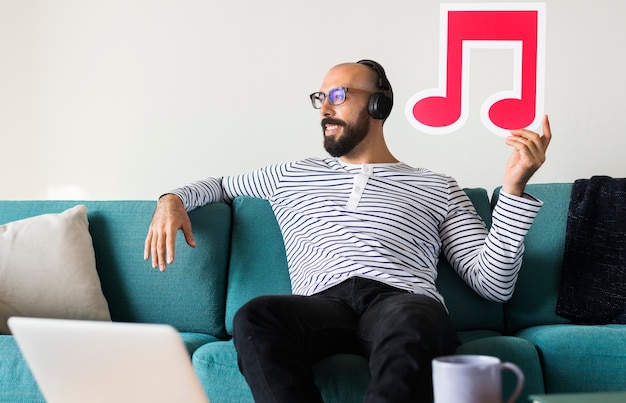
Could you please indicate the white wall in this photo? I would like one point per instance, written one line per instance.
(124, 99)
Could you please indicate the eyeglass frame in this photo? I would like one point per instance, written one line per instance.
(319, 94)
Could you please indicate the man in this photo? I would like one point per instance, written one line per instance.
(363, 233)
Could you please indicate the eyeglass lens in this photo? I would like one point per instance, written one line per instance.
(336, 96)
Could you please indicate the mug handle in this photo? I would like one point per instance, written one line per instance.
(520, 379)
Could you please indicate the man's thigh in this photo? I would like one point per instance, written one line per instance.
(405, 316)
(321, 326)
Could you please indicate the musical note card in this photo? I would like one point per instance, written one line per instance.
(515, 26)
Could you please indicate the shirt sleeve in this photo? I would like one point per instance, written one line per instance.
(260, 183)
(489, 261)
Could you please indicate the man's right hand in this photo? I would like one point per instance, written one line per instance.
(169, 217)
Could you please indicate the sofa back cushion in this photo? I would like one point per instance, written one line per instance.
(258, 261)
(534, 300)
(189, 295)
(468, 310)
(258, 266)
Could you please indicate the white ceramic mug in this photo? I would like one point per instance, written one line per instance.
(472, 379)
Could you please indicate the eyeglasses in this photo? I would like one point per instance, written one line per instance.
(335, 96)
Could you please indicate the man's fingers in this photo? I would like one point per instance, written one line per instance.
(188, 233)
(164, 249)
(170, 246)
(147, 246)
(547, 133)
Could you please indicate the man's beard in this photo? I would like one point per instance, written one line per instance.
(352, 135)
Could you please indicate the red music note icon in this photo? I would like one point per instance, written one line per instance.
(520, 27)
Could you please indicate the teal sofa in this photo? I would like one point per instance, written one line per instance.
(240, 255)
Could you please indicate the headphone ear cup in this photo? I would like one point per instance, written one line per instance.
(379, 105)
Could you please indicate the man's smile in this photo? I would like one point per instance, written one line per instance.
(331, 126)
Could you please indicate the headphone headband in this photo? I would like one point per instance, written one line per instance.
(380, 104)
(383, 82)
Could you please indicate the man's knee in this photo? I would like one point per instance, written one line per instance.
(254, 312)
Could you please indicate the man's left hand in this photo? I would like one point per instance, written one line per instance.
(528, 155)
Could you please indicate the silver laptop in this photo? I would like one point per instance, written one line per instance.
(87, 361)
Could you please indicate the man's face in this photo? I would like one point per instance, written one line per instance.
(346, 125)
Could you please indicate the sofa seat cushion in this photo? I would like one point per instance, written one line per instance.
(193, 341)
(580, 358)
(216, 362)
(340, 378)
(470, 335)
(16, 381)
(511, 349)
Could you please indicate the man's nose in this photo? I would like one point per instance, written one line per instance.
(327, 109)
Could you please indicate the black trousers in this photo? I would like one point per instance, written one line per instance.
(279, 338)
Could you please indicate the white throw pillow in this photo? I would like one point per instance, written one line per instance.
(48, 269)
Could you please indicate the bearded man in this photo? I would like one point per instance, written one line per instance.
(363, 233)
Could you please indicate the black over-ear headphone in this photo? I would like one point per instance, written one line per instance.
(379, 105)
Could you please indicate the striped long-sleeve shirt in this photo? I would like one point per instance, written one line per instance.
(387, 222)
